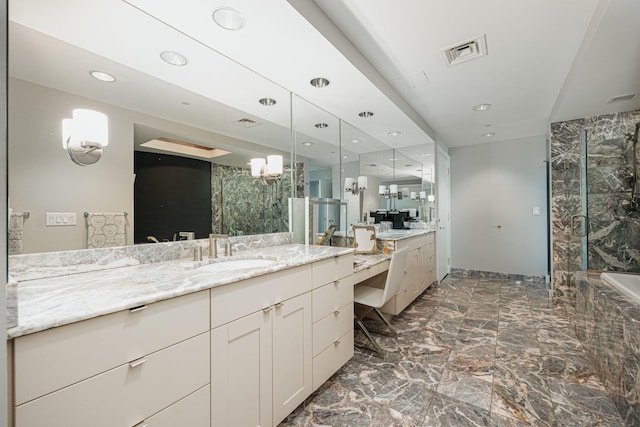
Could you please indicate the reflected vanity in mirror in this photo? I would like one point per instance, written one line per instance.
(364, 239)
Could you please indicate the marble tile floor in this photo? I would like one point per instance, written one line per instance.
(470, 352)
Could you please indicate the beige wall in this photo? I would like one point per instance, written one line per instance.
(43, 179)
(498, 184)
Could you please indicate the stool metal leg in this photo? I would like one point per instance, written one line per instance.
(373, 342)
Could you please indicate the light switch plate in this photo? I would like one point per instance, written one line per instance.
(60, 219)
(536, 211)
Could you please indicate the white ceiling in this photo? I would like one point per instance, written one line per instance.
(548, 60)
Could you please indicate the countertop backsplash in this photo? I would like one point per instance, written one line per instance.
(54, 264)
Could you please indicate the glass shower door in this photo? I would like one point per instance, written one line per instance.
(611, 233)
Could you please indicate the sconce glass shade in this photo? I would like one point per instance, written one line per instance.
(423, 195)
(267, 170)
(85, 135)
(382, 190)
(431, 198)
(362, 183)
(274, 165)
(393, 189)
(414, 195)
(348, 184)
(256, 167)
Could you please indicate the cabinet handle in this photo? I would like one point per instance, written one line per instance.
(137, 362)
(279, 304)
(141, 424)
(336, 312)
(267, 309)
(336, 342)
(138, 308)
(336, 282)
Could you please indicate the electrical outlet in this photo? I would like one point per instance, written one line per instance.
(535, 211)
(60, 219)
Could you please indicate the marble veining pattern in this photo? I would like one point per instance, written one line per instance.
(55, 301)
(52, 264)
(614, 229)
(470, 352)
(608, 324)
(241, 205)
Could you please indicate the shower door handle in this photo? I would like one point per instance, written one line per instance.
(583, 230)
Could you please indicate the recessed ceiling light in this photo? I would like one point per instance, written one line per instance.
(345, 157)
(307, 143)
(355, 141)
(321, 125)
(185, 103)
(267, 101)
(173, 58)
(408, 165)
(319, 82)
(481, 107)
(393, 158)
(228, 18)
(488, 134)
(488, 125)
(102, 76)
(365, 114)
(394, 133)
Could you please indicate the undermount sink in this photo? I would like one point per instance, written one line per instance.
(236, 264)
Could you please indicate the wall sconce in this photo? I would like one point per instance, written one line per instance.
(355, 187)
(85, 136)
(392, 191)
(267, 170)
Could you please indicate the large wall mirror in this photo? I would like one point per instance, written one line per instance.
(243, 114)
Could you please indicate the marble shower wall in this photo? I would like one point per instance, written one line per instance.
(614, 229)
(241, 205)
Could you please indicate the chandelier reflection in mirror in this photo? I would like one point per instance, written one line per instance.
(268, 171)
(85, 135)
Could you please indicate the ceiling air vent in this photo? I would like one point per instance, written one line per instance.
(621, 98)
(248, 123)
(465, 51)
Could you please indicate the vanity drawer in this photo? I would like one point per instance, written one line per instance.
(192, 411)
(50, 360)
(332, 358)
(331, 327)
(412, 243)
(236, 300)
(331, 297)
(331, 269)
(126, 395)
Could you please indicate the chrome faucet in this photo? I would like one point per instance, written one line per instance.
(213, 244)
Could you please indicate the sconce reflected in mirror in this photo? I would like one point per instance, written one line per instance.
(85, 136)
(269, 170)
(354, 186)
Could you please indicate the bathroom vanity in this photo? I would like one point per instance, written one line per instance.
(242, 340)
(171, 343)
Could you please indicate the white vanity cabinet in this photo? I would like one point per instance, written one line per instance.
(419, 272)
(118, 369)
(265, 341)
(261, 348)
(332, 317)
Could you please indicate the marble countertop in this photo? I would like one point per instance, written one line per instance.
(393, 234)
(56, 301)
(401, 234)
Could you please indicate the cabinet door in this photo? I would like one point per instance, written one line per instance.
(241, 368)
(292, 355)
